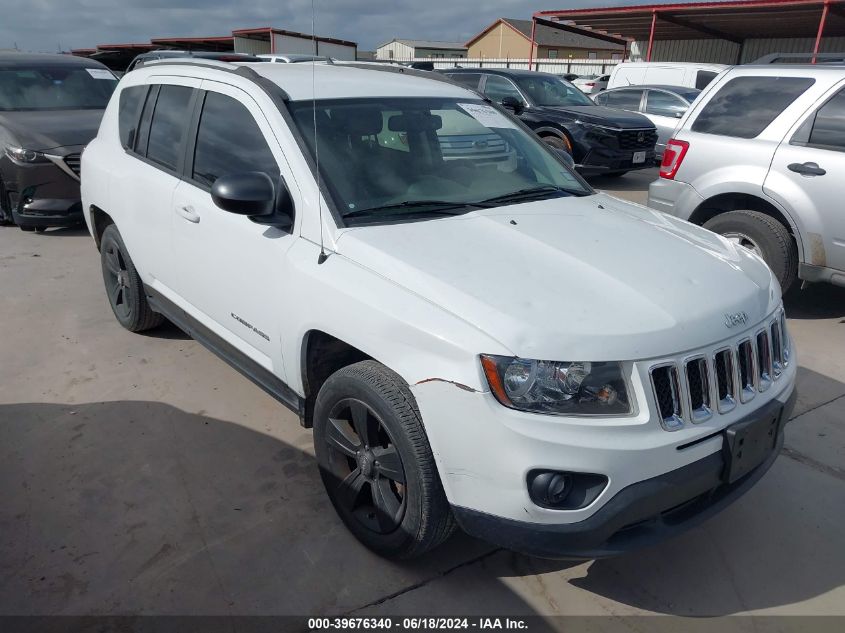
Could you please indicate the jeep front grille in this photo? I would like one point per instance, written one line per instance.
(703, 385)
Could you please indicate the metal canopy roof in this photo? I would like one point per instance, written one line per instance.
(734, 20)
(222, 44)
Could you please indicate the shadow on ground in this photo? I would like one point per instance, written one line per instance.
(816, 301)
(139, 507)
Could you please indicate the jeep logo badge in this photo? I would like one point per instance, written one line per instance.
(737, 318)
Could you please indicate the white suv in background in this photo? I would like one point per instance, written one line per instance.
(760, 158)
(491, 343)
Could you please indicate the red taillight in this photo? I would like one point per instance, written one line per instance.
(673, 155)
(590, 85)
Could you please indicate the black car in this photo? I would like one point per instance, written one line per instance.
(600, 140)
(50, 108)
(173, 54)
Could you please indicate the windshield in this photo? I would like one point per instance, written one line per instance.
(548, 90)
(59, 87)
(402, 157)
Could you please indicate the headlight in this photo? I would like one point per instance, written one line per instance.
(563, 388)
(22, 155)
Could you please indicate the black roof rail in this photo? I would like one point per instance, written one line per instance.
(775, 58)
(273, 89)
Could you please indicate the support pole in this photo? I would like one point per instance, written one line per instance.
(531, 52)
(651, 35)
(821, 29)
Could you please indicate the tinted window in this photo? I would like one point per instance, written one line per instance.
(745, 106)
(497, 88)
(59, 87)
(144, 125)
(624, 99)
(703, 78)
(548, 90)
(169, 120)
(229, 141)
(129, 110)
(664, 104)
(470, 80)
(829, 127)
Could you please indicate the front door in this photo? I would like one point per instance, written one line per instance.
(806, 176)
(230, 270)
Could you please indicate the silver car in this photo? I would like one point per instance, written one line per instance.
(663, 105)
(760, 158)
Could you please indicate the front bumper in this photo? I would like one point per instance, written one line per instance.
(602, 160)
(42, 194)
(641, 514)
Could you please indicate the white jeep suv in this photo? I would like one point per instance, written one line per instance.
(487, 343)
(758, 158)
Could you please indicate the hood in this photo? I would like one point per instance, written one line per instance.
(591, 278)
(599, 115)
(48, 129)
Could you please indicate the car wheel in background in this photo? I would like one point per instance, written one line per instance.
(28, 229)
(376, 463)
(40, 229)
(560, 143)
(615, 174)
(765, 236)
(6, 218)
(123, 285)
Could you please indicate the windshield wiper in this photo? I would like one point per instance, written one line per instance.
(528, 193)
(439, 207)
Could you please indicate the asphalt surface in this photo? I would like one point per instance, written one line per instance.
(140, 475)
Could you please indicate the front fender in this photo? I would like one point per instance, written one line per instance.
(406, 332)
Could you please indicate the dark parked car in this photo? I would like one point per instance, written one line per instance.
(171, 54)
(600, 140)
(50, 108)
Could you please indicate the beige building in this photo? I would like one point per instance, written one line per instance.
(507, 38)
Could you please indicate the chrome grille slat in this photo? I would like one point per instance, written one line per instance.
(724, 368)
(695, 388)
(667, 394)
(764, 360)
(698, 389)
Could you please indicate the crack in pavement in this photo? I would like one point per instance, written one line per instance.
(423, 583)
(801, 458)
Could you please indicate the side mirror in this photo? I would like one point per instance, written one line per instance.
(564, 156)
(512, 103)
(249, 193)
(254, 195)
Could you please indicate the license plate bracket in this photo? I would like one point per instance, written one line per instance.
(638, 157)
(748, 444)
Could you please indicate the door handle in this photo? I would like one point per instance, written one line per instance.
(188, 213)
(806, 169)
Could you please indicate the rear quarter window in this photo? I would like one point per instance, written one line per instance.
(128, 113)
(745, 106)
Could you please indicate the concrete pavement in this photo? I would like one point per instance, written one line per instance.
(141, 475)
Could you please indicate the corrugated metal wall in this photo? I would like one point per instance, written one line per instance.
(709, 51)
(251, 47)
(755, 49)
(725, 52)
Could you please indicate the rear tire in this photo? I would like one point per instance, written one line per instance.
(124, 288)
(6, 218)
(764, 235)
(376, 463)
(27, 229)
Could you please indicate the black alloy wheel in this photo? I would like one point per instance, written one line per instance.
(368, 476)
(117, 280)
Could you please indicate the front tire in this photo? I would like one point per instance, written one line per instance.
(376, 463)
(765, 236)
(123, 285)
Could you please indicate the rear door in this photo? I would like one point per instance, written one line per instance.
(146, 182)
(806, 177)
(622, 99)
